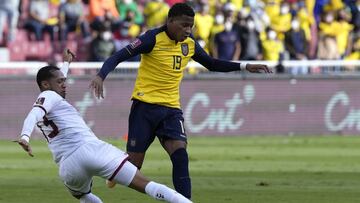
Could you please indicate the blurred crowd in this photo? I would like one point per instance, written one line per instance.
(227, 29)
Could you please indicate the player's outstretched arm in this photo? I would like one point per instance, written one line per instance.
(219, 65)
(68, 57)
(258, 68)
(34, 116)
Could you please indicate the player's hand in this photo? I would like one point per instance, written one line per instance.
(25, 145)
(258, 68)
(68, 55)
(96, 85)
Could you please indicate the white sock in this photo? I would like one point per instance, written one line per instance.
(163, 193)
(90, 198)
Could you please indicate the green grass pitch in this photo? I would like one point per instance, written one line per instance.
(276, 169)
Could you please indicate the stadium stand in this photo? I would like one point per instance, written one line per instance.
(313, 17)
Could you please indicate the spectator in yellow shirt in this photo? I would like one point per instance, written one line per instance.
(155, 13)
(306, 20)
(340, 30)
(282, 22)
(202, 26)
(327, 45)
(328, 24)
(334, 5)
(272, 8)
(344, 33)
(272, 47)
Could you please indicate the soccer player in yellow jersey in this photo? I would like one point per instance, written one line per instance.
(155, 111)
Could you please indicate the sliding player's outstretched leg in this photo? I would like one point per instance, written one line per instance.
(164, 193)
(136, 159)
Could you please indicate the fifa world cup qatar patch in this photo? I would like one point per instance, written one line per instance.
(40, 101)
(137, 42)
(185, 49)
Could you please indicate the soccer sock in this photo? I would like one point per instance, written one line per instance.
(180, 173)
(90, 198)
(161, 192)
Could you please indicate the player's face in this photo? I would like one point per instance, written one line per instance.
(179, 28)
(57, 83)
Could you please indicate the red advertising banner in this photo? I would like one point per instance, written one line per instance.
(213, 107)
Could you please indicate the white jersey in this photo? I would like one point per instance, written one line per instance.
(62, 125)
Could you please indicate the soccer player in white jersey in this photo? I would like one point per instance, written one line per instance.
(79, 154)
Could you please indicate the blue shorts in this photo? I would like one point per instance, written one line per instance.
(149, 120)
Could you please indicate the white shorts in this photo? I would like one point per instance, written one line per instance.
(95, 158)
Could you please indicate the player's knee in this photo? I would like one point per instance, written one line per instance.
(137, 159)
(171, 146)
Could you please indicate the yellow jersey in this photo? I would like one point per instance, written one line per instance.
(161, 71)
(162, 64)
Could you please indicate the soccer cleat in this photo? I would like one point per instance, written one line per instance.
(110, 184)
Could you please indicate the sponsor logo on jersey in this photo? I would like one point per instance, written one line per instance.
(140, 94)
(137, 42)
(40, 101)
(185, 49)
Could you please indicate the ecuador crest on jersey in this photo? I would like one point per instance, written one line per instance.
(185, 49)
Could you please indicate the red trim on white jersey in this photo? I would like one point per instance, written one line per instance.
(41, 107)
(118, 169)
